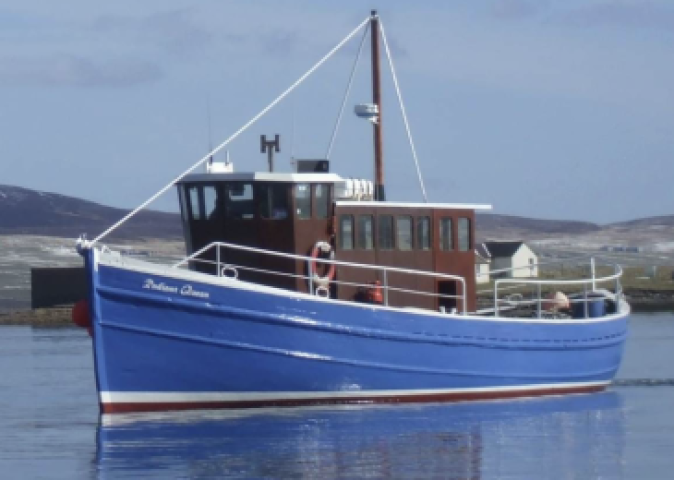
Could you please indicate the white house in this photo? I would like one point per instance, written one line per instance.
(512, 255)
(482, 262)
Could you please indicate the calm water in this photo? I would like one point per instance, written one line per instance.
(50, 427)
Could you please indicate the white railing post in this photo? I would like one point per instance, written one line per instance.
(385, 277)
(496, 298)
(217, 258)
(587, 313)
(592, 271)
(311, 281)
(538, 291)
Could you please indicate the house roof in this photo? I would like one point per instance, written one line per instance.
(482, 250)
(480, 260)
(503, 249)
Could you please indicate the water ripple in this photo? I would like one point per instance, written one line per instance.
(644, 382)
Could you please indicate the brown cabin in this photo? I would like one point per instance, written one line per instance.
(291, 212)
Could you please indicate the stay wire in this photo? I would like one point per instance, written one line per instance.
(402, 110)
(346, 93)
(233, 136)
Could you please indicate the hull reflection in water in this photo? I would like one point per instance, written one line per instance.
(575, 436)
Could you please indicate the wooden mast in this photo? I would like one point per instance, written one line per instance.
(379, 193)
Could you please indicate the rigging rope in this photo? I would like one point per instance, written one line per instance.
(233, 136)
(346, 93)
(402, 110)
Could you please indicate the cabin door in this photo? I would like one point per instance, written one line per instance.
(205, 226)
(446, 290)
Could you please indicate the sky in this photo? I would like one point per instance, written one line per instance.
(542, 108)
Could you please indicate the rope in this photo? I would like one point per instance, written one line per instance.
(402, 110)
(346, 93)
(236, 134)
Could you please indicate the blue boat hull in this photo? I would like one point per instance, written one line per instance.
(178, 340)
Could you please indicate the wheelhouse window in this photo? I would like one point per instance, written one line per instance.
(423, 233)
(240, 201)
(365, 232)
(303, 200)
(195, 204)
(346, 232)
(211, 202)
(464, 234)
(322, 200)
(385, 232)
(273, 201)
(404, 232)
(446, 240)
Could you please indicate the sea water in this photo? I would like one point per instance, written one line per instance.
(50, 426)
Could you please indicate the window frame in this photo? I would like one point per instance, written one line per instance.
(360, 234)
(390, 244)
(398, 242)
(310, 198)
(340, 232)
(441, 232)
(315, 210)
(424, 219)
(464, 226)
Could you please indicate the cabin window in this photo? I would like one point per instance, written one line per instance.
(211, 202)
(424, 233)
(240, 204)
(184, 208)
(322, 200)
(195, 207)
(404, 232)
(446, 240)
(464, 234)
(303, 200)
(385, 232)
(365, 232)
(273, 201)
(346, 232)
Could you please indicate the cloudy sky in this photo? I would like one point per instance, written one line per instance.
(543, 108)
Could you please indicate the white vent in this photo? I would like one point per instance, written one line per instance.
(354, 189)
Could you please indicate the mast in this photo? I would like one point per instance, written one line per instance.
(379, 193)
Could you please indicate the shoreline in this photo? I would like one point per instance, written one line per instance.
(641, 301)
(40, 317)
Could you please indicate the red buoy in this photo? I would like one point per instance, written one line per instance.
(80, 314)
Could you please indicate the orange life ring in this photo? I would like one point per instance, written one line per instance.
(319, 247)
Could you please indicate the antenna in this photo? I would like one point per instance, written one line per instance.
(269, 147)
(210, 133)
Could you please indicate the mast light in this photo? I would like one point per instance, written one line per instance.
(368, 111)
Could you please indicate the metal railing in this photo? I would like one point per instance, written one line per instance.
(589, 286)
(587, 295)
(223, 267)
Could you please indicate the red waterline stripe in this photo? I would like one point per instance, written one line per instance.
(424, 398)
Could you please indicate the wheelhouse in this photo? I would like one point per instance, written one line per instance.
(293, 213)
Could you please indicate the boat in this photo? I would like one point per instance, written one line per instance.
(306, 287)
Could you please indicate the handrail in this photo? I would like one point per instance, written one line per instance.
(384, 269)
(592, 281)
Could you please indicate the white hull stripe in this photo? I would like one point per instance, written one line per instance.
(189, 397)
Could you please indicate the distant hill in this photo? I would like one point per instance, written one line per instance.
(664, 220)
(489, 225)
(30, 212)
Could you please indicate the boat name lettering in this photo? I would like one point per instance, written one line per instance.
(185, 290)
(162, 287)
(190, 292)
